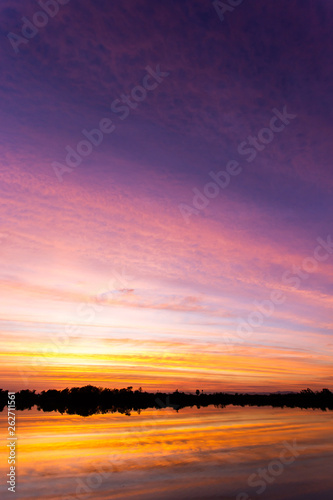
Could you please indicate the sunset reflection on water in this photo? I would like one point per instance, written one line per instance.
(206, 453)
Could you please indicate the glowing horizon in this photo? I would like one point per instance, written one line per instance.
(104, 280)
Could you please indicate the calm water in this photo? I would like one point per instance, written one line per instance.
(205, 453)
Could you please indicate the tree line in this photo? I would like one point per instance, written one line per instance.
(89, 400)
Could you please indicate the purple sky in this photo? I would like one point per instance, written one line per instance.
(192, 278)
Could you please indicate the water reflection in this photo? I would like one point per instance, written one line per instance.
(205, 453)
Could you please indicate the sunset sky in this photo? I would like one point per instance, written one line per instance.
(121, 271)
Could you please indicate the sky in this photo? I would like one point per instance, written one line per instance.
(166, 191)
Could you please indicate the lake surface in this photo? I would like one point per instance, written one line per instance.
(208, 453)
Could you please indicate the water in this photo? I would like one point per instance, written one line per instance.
(207, 453)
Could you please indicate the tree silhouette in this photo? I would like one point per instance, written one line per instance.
(89, 400)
